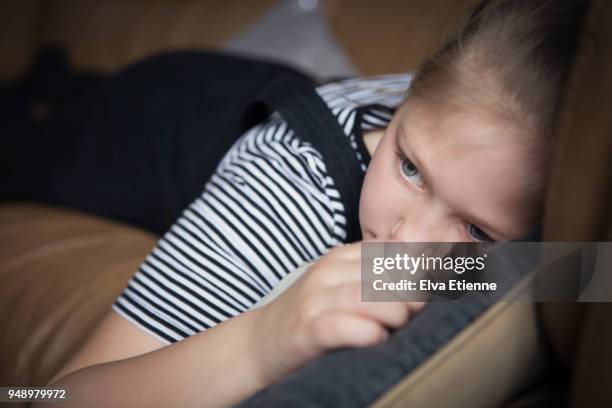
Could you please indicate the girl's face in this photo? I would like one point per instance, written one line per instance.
(448, 178)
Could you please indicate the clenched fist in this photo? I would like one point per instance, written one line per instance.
(322, 310)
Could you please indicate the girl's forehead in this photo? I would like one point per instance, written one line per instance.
(472, 163)
(451, 124)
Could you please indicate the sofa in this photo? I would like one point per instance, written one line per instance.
(61, 269)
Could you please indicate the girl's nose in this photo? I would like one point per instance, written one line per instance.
(397, 228)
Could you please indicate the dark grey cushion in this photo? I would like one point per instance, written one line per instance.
(352, 377)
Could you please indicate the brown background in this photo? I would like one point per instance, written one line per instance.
(380, 37)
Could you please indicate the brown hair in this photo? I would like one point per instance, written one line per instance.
(510, 56)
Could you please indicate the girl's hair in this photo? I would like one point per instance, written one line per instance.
(511, 58)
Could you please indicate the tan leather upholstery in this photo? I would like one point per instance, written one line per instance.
(139, 30)
(391, 35)
(592, 375)
(60, 271)
(487, 363)
(580, 208)
(579, 201)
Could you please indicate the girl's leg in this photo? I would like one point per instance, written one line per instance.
(138, 146)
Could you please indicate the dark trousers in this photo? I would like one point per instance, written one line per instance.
(136, 146)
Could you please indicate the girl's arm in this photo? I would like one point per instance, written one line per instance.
(227, 363)
(212, 368)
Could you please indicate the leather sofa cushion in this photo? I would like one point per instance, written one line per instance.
(59, 271)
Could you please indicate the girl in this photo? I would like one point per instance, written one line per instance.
(462, 157)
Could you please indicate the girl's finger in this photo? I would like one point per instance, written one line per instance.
(346, 298)
(337, 329)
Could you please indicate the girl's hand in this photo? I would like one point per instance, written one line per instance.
(322, 310)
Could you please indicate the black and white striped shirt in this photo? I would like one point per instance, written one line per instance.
(269, 208)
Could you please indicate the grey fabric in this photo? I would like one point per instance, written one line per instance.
(352, 377)
(356, 377)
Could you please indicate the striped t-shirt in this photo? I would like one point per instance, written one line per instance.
(269, 208)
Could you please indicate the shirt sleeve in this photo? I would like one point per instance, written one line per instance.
(268, 208)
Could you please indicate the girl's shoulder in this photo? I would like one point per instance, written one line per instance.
(271, 162)
(274, 142)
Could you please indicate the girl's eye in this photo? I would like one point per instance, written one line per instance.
(410, 172)
(477, 234)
